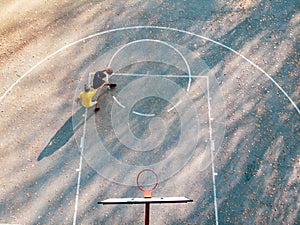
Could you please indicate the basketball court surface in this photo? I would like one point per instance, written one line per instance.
(215, 131)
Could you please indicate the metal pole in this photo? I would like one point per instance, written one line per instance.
(147, 213)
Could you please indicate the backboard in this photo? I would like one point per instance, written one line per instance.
(158, 200)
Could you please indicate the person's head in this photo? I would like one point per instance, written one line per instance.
(86, 88)
(109, 70)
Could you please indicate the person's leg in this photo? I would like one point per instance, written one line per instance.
(112, 85)
(97, 108)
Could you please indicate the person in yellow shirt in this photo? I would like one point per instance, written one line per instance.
(86, 96)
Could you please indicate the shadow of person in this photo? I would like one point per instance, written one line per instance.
(64, 134)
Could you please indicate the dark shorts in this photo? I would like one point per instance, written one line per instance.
(99, 79)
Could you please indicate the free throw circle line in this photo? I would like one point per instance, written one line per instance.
(119, 103)
(159, 41)
(143, 114)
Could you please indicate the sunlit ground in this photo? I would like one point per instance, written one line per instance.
(254, 120)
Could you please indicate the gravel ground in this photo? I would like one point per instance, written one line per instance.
(255, 110)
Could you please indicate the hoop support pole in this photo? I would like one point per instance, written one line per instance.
(147, 213)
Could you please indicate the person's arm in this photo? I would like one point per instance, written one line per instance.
(102, 71)
(103, 85)
(77, 100)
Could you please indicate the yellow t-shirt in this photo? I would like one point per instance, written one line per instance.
(86, 98)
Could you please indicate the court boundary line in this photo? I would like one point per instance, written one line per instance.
(79, 170)
(212, 151)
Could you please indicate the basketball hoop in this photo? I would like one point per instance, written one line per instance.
(147, 192)
(147, 200)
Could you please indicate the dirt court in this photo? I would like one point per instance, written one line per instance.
(207, 96)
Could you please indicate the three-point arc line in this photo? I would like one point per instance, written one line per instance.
(148, 27)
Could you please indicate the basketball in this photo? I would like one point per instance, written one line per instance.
(109, 70)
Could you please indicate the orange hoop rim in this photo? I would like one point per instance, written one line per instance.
(140, 186)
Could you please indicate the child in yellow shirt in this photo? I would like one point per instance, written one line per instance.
(86, 97)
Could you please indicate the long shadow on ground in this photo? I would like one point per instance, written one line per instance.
(66, 132)
(63, 135)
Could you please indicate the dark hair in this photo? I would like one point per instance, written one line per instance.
(86, 88)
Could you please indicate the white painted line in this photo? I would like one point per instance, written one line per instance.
(143, 114)
(147, 27)
(159, 75)
(169, 110)
(79, 170)
(156, 75)
(212, 144)
(81, 142)
(9, 224)
(212, 150)
(78, 179)
(161, 42)
(119, 103)
(107, 76)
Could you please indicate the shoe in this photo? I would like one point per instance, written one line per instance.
(97, 109)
